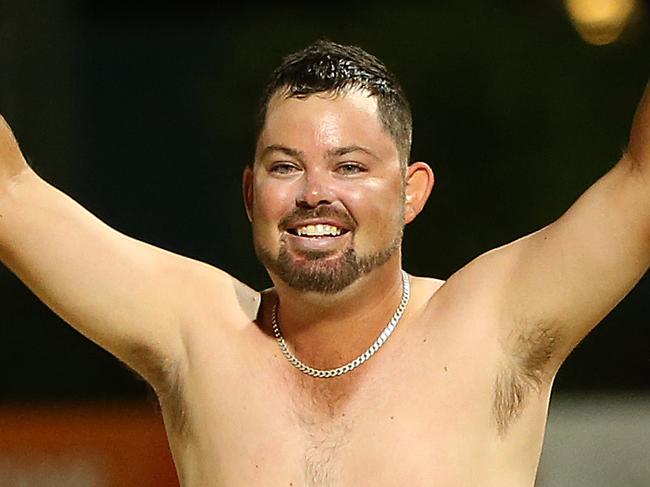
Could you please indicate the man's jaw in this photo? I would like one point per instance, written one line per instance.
(324, 265)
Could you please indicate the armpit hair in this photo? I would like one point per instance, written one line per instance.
(527, 354)
(164, 378)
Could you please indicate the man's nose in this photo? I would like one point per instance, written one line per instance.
(315, 191)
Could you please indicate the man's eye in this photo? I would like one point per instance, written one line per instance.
(350, 168)
(283, 168)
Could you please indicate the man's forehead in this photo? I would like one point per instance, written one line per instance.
(342, 118)
(358, 98)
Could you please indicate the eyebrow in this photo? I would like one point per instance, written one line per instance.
(300, 155)
(341, 151)
(335, 152)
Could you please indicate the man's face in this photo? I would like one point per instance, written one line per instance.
(325, 195)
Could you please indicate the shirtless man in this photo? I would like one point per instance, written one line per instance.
(456, 396)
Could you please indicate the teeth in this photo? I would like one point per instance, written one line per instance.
(318, 231)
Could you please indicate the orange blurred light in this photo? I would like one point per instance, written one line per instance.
(600, 22)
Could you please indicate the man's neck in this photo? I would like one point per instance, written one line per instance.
(327, 331)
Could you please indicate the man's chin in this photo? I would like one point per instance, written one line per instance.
(324, 273)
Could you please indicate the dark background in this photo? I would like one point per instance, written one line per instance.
(144, 114)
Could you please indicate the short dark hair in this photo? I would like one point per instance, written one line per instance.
(328, 67)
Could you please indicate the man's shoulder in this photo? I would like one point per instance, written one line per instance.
(476, 286)
(213, 295)
(427, 286)
(424, 290)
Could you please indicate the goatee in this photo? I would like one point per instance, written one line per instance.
(321, 272)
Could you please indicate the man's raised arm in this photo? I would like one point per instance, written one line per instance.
(129, 297)
(562, 280)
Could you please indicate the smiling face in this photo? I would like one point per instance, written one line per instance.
(326, 194)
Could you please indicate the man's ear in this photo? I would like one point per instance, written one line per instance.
(247, 190)
(418, 186)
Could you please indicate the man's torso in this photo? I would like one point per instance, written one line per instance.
(446, 401)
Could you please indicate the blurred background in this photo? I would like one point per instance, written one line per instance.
(144, 113)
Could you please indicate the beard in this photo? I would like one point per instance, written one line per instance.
(321, 272)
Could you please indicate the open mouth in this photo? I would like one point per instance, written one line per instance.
(318, 231)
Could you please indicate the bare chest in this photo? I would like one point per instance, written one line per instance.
(415, 414)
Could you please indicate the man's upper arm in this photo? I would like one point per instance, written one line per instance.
(573, 272)
(569, 275)
(129, 297)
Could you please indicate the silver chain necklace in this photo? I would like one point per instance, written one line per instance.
(344, 369)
